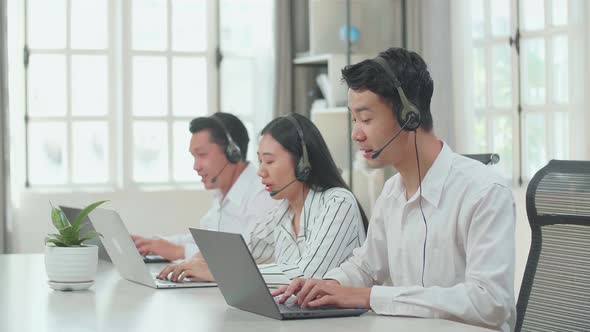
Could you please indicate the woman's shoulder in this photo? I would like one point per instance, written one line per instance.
(272, 217)
(337, 195)
(280, 208)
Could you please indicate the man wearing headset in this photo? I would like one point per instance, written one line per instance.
(440, 242)
(219, 145)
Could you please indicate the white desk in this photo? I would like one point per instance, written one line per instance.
(113, 304)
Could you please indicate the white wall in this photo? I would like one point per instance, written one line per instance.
(144, 213)
(436, 51)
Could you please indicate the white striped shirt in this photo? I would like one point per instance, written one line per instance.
(330, 228)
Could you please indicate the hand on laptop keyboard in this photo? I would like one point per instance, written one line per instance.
(196, 269)
(185, 280)
(291, 305)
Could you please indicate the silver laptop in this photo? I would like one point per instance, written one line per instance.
(72, 212)
(123, 253)
(241, 283)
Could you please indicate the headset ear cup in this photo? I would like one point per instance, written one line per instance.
(305, 174)
(232, 150)
(302, 171)
(302, 166)
(233, 153)
(412, 117)
(409, 115)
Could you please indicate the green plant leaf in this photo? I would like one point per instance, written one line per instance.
(59, 219)
(90, 235)
(69, 233)
(70, 236)
(85, 212)
(57, 237)
(81, 226)
(56, 242)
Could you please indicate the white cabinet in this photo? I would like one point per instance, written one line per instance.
(329, 66)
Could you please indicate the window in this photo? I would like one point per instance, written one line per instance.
(247, 68)
(517, 93)
(112, 85)
(492, 79)
(68, 92)
(169, 81)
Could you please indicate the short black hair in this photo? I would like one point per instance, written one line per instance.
(324, 173)
(412, 73)
(234, 126)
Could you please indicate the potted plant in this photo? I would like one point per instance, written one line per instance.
(71, 264)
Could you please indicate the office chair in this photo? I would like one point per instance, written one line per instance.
(555, 291)
(485, 158)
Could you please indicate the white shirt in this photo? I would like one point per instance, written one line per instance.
(469, 265)
(330, 228)
(245, 203)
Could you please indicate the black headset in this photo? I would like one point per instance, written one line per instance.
(302, 166)
(409, 114)
(232, 150)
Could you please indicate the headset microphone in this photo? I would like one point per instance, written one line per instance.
(376, 154)
(214, 179)
(273, 193)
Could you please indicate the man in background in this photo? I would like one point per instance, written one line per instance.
(219, 145)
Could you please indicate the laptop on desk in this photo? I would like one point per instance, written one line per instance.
(72, 212)
(243, 286)
(124, 255)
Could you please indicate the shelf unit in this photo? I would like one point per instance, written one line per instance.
(307, 67)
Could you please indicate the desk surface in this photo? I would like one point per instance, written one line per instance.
(114, 304)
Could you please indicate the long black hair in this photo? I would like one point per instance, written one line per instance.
(324, 174)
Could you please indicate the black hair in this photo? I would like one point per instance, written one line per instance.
(324, 174)
(412, 73)
(234, 126)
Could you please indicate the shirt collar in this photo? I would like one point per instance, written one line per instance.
(241, 188)
(433, 182)
(312, 201)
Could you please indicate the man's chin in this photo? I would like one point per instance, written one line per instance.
(376, 163)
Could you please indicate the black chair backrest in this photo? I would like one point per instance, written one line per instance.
(555, 291)
(485, 158)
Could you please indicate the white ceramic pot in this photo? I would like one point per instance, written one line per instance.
(71, 265)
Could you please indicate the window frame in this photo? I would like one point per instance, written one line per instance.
(129, 119)
(548, 108)
(462, 47)
(119, 118)
(68, 119)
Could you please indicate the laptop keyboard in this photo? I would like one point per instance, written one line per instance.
(291, 305)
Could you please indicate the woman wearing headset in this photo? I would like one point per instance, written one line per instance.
(319, 222)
